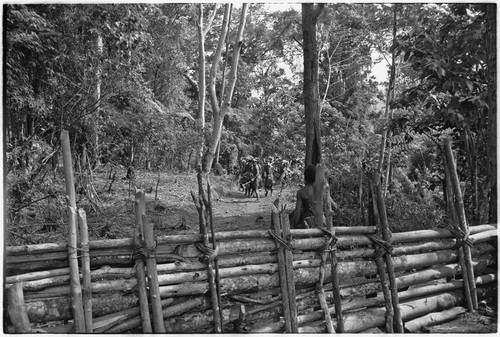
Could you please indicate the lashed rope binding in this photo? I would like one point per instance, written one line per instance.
(331, 241)
(209, 254)
(387, 248)
(142, 252)
(459, 235)
(282, 244)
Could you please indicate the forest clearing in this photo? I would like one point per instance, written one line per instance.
(210, 168)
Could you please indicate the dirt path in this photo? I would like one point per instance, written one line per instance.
(174, 210)
(235, 211)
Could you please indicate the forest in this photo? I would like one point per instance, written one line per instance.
(172, 87)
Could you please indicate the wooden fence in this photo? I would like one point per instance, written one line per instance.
(426, 264)
(338, 279)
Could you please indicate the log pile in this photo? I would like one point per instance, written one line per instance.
(249, 274)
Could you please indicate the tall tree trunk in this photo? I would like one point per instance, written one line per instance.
(491, 42)
(471, 154)
(388, 110)
(310, 13)
(96, 99)
(201, 85)
(219, 111)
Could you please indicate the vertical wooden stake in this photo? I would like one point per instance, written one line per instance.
(453, 221)
(204, 216)
(459, 203)
(76, 290)
(17, 309)
(139, 267)
(285, 224)
(208, 206)
(321, 293)
(68, 169)
(381, 268)
(154, 287)
(333, 261)
(276, 227)
(386, 235)
(87, 285)
(318, 189)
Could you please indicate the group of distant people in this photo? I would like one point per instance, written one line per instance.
(267, 173)
(271, 172)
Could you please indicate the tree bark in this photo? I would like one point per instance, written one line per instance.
(491, 53)
(96, 98)
(220, 112)
(201, 85)
(310, 13)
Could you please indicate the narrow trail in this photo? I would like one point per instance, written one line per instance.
(235, 211)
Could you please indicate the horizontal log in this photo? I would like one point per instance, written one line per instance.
(201, 321)
(37, 275)
(310, 275)
(249, 281)
(227, 261)
(430, 234)
(375, 317)
(416, 325)
(166, 244)
(95, 275)
(51, 309)
(134, 322)
(195, 265)
(188, 265)
(183, 238)
(354, 302)
(103, 323)
(483, 236)
(58, 309)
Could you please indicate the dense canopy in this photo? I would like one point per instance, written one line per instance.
(124, 80)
